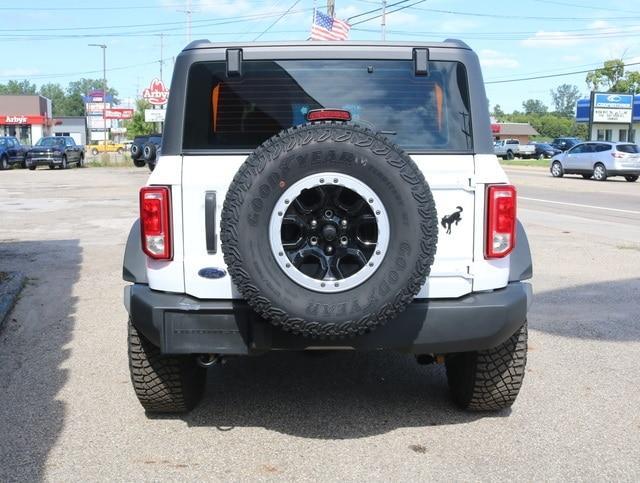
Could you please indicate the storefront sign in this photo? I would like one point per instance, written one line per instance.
(97, 95)
(157, 93)
(614, 101)
(118, 113)
(95, 107)
(495, 128)
(97, 122)
(154, 115)
(20, 119)
(612, 115)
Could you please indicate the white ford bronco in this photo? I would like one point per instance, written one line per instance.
(327, 196)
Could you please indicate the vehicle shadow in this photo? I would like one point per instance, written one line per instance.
(340, 395)
(602, 311)
(33, 351)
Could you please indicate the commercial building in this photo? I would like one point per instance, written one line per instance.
(26, 117)
(614, 117)
(74, 126)
(522, 131)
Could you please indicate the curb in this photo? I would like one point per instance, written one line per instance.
(10, 288)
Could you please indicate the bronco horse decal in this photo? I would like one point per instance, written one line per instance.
(449, 220)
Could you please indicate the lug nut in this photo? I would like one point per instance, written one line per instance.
(313, 240)
(329, 249)
(328, 214)
(314, 224)
(344, 240)
(343, 222)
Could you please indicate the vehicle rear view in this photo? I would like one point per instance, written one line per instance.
(600, 160)
(327, 196)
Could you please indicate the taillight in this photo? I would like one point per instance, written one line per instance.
(501, 221)
(328, 115)
(155, 222)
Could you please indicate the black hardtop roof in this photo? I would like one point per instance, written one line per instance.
(207, 44)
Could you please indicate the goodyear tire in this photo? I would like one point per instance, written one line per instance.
(305, 198)
(136, 152)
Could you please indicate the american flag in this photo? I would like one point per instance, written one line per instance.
(328, 28)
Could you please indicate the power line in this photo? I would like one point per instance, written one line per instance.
(277, 20)
(590, 7)
(522, 17)
(388, 13)
(375, 10)
(548, 76)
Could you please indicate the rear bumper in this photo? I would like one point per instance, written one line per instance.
(623, 172)
(180, 324)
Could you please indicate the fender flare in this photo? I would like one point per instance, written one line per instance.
(134, 265)
(521, 265)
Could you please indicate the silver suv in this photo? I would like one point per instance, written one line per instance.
(600, 159)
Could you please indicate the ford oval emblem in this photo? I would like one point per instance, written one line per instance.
(614, 98)
(212, 272)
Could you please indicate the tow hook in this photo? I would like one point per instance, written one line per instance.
(208, 360)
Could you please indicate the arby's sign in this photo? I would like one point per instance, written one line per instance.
(157, 93)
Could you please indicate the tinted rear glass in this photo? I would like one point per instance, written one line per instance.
(628, 148)
(417, 112)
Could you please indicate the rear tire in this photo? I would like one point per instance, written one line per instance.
(599, 172)
(510, 155)
(139, 163)
(163, 384)
(489, 380)
(541, 156)
(631, 178)
(4, 163)
(556, 169)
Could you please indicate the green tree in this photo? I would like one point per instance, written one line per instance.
(497, 111)
(534, 106)
(56, 93)
(18, 88)
(137, 126)
(564, 99)
(606, 77)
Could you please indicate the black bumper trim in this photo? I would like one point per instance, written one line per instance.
(180, 324)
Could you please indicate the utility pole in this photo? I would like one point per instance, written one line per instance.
(383, 22)
(188, 11)
(331, 8)
(161, 54)
(104, 89)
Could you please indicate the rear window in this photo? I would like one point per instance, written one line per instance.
(628, 148)
(420, 113)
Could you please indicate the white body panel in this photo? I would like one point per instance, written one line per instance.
(455, 180)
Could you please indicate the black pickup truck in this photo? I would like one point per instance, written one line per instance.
(55, 151)
(12, 152)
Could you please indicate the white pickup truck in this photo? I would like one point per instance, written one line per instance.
(510, 148)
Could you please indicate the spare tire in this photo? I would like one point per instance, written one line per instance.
(136, 151)
(329, 230)
(149, 152)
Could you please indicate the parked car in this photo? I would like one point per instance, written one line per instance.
(12, 152)
(108, 147)
(510, 148)
(565, 143)
(151, 151)
(545, 150)
(600, 160)
(281, 225)
(52, 151)
(137, 149)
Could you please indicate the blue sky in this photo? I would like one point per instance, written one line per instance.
(46, 41)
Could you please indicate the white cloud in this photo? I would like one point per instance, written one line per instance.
(552, 39)
(493, 58)
(571, 58)
(18, 72)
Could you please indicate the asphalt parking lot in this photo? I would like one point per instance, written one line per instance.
(67, 410)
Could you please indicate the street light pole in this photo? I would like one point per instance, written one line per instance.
(104, 90)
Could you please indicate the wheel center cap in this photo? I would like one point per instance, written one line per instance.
(329, 232)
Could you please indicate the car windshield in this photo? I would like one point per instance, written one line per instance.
(49, 142)
(3, 142)
(420, 113)
(628, 148)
